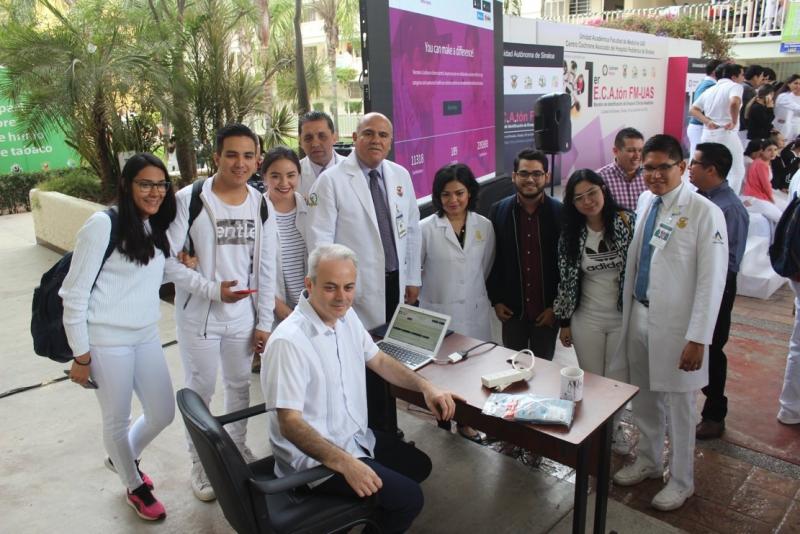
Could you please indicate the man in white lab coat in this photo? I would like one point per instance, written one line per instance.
(675, 277)
(317, 137)
(367, 203)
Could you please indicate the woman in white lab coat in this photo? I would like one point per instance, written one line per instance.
(787, 108)
(457, 255)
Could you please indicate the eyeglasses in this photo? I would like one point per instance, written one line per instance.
(660, 169)
(588, 195)
(146, 186)
(696, 162)
(530, 174)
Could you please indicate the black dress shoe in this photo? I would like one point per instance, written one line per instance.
(708, 429)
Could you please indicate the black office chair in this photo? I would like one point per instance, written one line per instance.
(253, 500)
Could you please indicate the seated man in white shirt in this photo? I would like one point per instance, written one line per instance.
(314, 375)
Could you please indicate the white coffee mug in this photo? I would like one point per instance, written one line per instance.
(572, 383)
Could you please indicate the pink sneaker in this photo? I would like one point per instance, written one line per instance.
(146, 479)
(146, 505)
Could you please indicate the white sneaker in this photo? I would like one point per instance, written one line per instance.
(200, 485)
(620, 442)
(637, 472)
(785, 417)
(247, 454)
(671, 497)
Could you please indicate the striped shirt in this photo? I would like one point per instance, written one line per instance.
(293, 256)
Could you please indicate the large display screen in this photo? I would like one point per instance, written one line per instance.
(442, 54)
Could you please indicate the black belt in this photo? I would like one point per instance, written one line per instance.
(392, 273)
(645, 303)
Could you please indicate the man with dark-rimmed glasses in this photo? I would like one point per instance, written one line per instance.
(674, 280)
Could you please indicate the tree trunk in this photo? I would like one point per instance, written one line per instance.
(184, 137)
(300, 68)
(263, 38)
(332, 38)
(106, 159)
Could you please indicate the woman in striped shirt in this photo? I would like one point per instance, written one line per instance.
(281, 172)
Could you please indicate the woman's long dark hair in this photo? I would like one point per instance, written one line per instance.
(134, 243)
(573, 221)
(784, 88)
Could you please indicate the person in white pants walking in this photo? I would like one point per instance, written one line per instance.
(694, 130)
(719, 110)
(111, 313)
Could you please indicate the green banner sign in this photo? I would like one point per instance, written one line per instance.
(790, 36)
(19, 154)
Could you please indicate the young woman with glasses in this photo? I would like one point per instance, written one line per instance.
(592, 250)
(111, 313)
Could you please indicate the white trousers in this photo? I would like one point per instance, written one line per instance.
(119, 372)
(694, 132)
(790, 395)
(730, 139)
(659, 413)
(229, 347)
(595, 337)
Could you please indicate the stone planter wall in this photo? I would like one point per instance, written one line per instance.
(58, 217)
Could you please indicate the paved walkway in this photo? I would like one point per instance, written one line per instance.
(53, 479)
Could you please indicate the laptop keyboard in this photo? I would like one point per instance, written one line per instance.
(402, 355)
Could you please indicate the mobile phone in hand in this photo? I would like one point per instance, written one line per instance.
(245, 291)
(91, 384)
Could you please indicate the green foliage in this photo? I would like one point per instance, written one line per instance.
(354, 106)
(14, 188)
(316, 77)
(79, 183)
(282, 127)
(715, 43)
(512, 7)
(345, 75)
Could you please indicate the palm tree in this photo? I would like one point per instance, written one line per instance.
(300, 69)
(168, 18)
(73, 75)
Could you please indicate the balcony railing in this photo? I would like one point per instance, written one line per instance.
(735, 18)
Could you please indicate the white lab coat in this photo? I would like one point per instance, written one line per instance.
(341, 211)
(307, 175)
(454, 279)
(687, 279)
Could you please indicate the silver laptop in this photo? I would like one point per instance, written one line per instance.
(414, 336)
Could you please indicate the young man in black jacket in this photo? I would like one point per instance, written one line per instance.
(524, 279)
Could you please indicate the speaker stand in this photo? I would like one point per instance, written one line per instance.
(552, 173)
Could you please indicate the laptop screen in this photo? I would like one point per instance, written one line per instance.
(415, 327)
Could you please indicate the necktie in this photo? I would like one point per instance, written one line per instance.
(384, 221)
(643, 274)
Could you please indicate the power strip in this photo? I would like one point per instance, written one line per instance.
(502, 379)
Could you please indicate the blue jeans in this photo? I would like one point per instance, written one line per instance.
(401, 467)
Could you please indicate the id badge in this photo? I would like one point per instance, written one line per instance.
(661, 236)
(401, 225)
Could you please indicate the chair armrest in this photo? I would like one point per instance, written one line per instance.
(295, 480)
(241, 414)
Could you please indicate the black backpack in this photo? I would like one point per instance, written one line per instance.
(196, 206)
(784, 252)
(47, 311)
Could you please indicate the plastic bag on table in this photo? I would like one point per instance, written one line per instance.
(527, 408)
